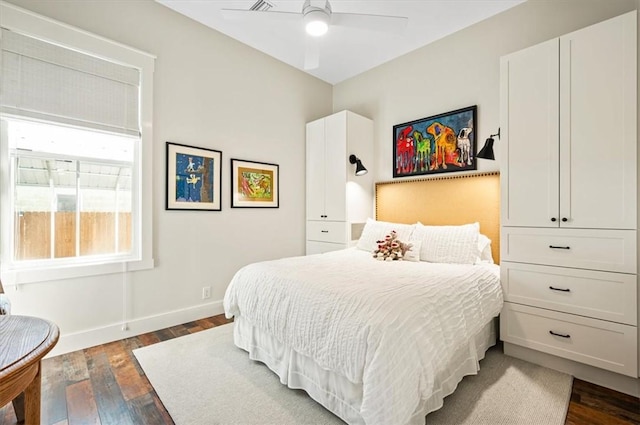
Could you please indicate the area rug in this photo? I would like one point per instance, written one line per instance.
(203, 378)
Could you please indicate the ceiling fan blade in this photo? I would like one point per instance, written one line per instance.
(390, 24)
(311, 53)
(259, 15)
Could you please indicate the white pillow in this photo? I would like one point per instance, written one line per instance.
(484, 247)
(413, 254)
(448, 244)
(375, 231)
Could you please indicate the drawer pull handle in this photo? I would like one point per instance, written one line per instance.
(560, 335)
(559, 247)
(554, 219)
(324, 231)
(559, 289)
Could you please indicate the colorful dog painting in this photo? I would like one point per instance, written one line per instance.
(437, 144)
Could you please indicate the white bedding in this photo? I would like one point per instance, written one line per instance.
(389, 326)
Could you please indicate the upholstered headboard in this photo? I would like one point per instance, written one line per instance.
(451, 199)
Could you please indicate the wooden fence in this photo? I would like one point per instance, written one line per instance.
(97, 234)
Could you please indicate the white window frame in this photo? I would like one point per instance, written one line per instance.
(34, 25)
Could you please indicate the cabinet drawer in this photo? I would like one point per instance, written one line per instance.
(601, 295)
(608, 250)
(602, 344)
(315, 247)
(327, 231)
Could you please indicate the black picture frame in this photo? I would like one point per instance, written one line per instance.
(194, 177)
(443, 143)
(254, 184)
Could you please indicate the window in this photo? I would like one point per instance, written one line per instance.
(75, 184)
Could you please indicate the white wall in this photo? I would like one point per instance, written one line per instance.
(461, 70)
(209, 91)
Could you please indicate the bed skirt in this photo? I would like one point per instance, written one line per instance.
(341, 396)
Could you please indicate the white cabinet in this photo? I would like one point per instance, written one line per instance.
(569, 130)
(336, 198)
(569, 196)
(327, 168)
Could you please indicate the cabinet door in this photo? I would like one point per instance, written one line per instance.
(598, 125)
(335, 167)
(315, 170)
(529, 122)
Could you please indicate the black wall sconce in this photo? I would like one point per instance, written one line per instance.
(487, 150)
(360, 170)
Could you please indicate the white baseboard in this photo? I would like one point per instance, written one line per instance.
(604, 378)
(97, 336)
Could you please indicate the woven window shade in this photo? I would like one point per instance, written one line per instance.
(41, 80)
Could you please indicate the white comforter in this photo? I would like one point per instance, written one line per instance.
(390, 326)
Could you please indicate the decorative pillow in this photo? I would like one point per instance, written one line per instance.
(376, 230)
(484, 247)
(413, 253)
(449, 244)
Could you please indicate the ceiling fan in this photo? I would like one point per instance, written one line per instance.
(317, 17)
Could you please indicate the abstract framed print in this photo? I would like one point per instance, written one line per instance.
(254, 184)
(193, 178)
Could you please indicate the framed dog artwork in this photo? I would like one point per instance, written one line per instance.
(443, 143)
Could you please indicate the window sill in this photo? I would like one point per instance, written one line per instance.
(45, 274)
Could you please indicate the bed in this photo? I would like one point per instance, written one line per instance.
(377, 342)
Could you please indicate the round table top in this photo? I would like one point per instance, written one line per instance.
(24, 339)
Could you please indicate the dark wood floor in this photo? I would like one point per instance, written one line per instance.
(105, 385)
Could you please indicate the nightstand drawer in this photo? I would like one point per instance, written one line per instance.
(315, 247)
(599, 343)
(601, 295)
(594, 249)
(327, 231)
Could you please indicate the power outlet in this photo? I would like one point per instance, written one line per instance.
(206, 292)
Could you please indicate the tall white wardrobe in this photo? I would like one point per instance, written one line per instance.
(569, 190)
(338, 201)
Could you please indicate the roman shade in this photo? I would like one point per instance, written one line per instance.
(45, 81)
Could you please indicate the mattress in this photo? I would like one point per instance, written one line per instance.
(400, 332)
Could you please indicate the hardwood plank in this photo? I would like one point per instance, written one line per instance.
(131, 382)
(195, 329)
(164, 334)
(148, 338)
(111, 405)
(81, 404)
(75, 366)
(54, 384)
(205, 323)
(148, 410)
(191, 325)
(221, 320)
(579, 414)
(613, 403)
(131, 344)
(179, 330)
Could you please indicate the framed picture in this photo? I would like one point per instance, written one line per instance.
(254, 184)
(442, 143)
(193, 178)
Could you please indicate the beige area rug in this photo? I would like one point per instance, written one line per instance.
(203, 379)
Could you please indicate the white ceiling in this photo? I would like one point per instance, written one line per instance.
(344, 52)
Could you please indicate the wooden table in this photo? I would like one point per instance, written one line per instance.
(24, 341)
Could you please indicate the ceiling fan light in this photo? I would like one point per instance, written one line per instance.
(316, 23)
